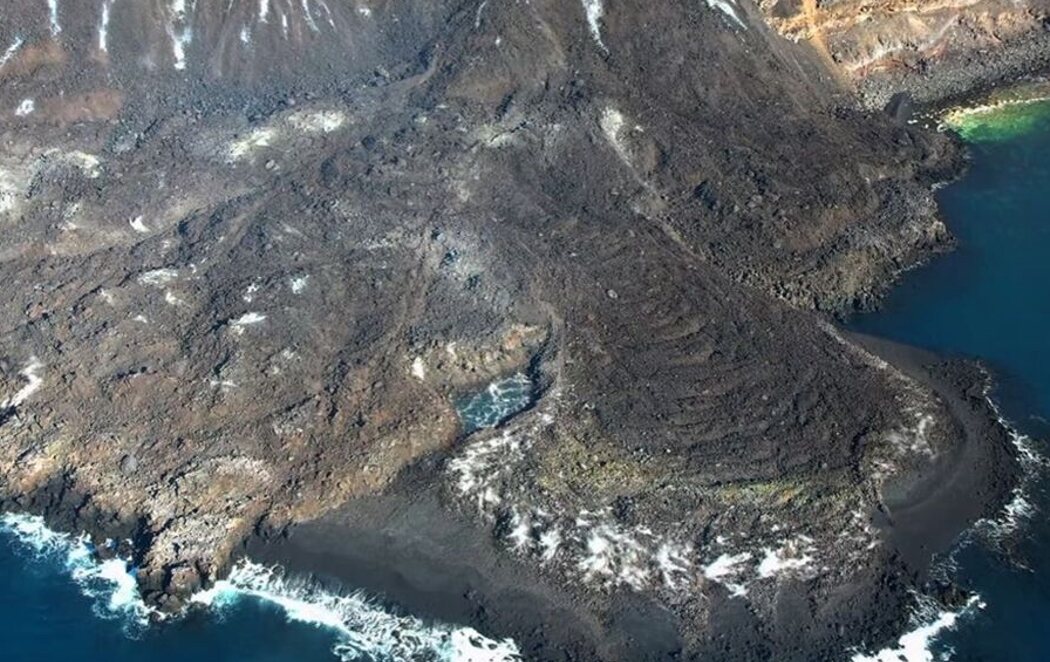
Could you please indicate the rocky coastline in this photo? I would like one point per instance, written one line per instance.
(243, 308)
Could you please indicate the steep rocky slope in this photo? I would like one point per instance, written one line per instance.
(931, 48)
(255, 251)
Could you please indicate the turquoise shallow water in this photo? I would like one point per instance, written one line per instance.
(991, 299)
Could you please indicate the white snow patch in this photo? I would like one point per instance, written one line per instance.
(137, 225)
(87, 164)
(298, 283)
(612, 123)
(12, 189)
(158, 277)
(25, 108)
(595, 11)
(243, 147)
(171, 299)
(309, 16)
(246, 37)
(727, 8)
(364, 11)
(11, 50)
(249, 293)
(33, 383)
(180, 32)
(419, 368)
(247, 319)
(325, 121)
(328, 13)
(264, 10)
(52, 12)
(103, 27)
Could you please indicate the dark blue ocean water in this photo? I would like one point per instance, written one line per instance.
(46, 614)
(989, 299)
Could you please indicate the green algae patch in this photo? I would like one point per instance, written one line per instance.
(1003, 117)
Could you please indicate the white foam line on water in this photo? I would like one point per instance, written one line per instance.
(110, 584)
(362, 627)
(915, 646)
(1020, 508)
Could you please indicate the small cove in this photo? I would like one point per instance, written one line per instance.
(990, 299)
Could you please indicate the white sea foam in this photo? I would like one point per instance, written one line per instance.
(110, 584)
(362, 628)
(915, 645)
(1020, 508)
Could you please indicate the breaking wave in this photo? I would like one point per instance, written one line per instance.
(110, 584)
(1021, 507)
(929, 622)
(364, 629)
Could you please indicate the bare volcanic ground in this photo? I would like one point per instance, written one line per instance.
(255, 253)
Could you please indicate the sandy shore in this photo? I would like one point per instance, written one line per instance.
(432, 562)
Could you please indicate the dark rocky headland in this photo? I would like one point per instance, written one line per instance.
(254, 253)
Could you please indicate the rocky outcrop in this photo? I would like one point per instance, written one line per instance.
(932, 49)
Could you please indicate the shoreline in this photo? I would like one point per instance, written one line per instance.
(425, 556)
(435, 563)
